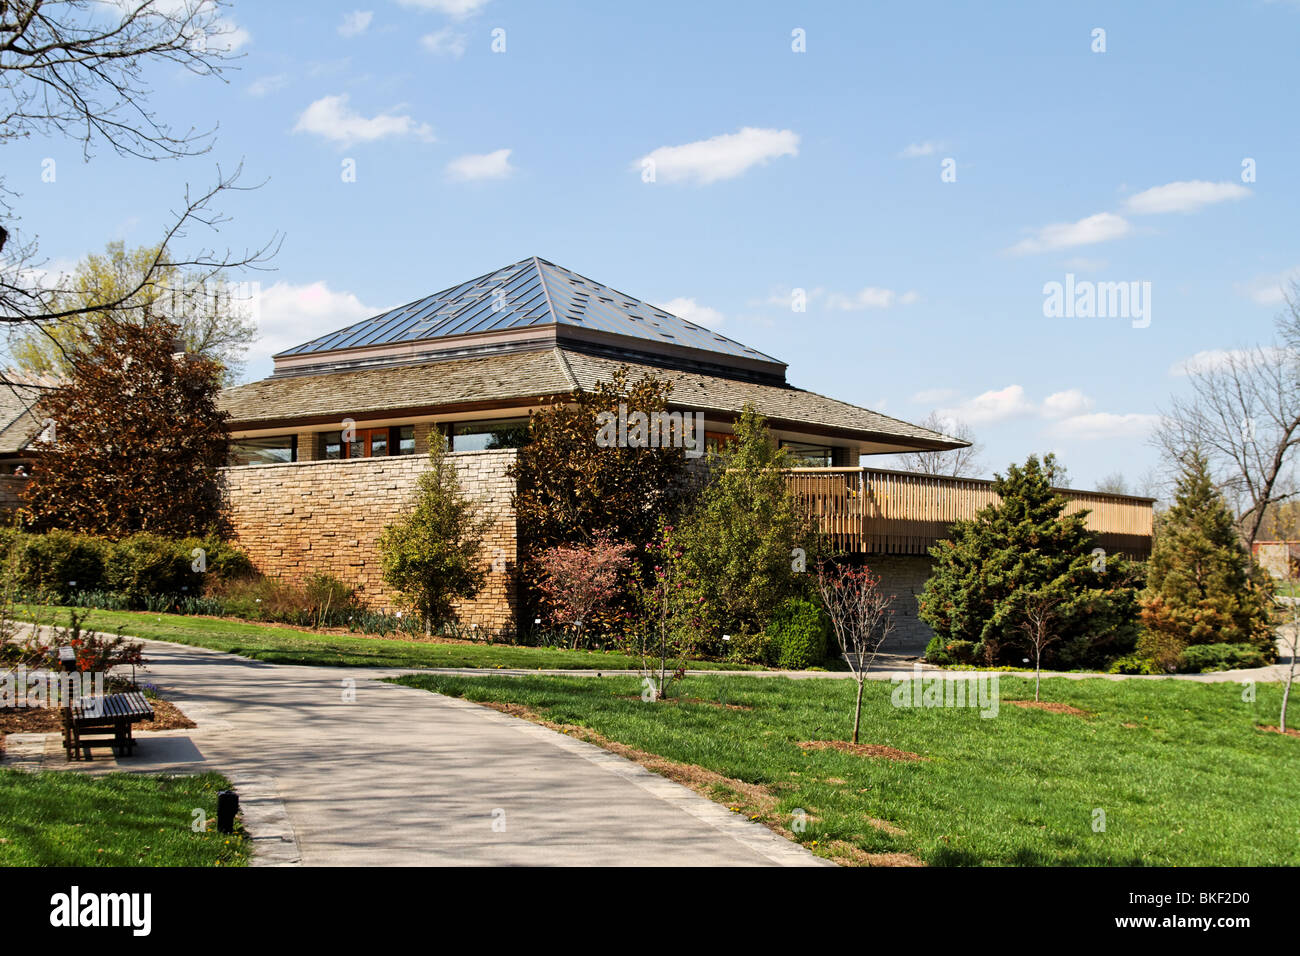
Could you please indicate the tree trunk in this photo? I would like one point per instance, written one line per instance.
(857, 710)
(1290, 678)
(1038, 672)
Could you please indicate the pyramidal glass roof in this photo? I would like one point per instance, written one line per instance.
(532, 292)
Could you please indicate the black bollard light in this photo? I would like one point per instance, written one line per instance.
(227, 807)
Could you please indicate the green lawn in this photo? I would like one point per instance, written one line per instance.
(1178, 767)
(57, 818)
(286, 645)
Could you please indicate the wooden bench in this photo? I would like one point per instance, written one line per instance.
(103, 722)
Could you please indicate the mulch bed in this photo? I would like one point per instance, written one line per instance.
(47, 720)
(862, 750)
(1290, 731)
(1049, 706)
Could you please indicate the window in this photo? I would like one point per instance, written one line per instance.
(271, 450)
(715, 442)
(804, 455)
(405, 439)
(484, 436)
(365, 443)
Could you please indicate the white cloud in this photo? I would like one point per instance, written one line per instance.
(268, 84)
(290, 314)
(1101, 227)
(445, 42)
(1212, 360)
(356, 23)
(913, 150)
(1105, 425)
(1069, 402)
(1269, 290)
(332, 118)
(872, 297)
(495, 165)
(456, 9)
(692, 311)
(722, 157)
(1186, 196)
(992, 406)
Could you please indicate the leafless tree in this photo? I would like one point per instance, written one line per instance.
(956, 463)
(1243, 413)
(862, 617)
(1113, 484)
(1040, 617)
(76, 69)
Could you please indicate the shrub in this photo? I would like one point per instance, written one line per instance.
(223, 560)
(936, 652)
(1222, 657)
(748, 648)
(1134, 664)
(798, 635)
(950, 652)
(59, 563)
(579, 582)
(143, 565)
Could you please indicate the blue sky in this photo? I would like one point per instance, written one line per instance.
(775, 170)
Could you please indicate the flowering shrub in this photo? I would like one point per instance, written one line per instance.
(580, 581)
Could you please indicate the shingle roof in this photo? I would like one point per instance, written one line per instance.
(525, 376)
(531, 292)
(18, 422)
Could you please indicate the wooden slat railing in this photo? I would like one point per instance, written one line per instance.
(872, 511)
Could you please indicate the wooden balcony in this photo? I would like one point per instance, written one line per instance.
(870, 511)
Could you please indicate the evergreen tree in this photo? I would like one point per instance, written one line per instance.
(746, 541)
(993, 571)
(1202, 586)
(433, 556)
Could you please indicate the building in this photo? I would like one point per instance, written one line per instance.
(326, 450)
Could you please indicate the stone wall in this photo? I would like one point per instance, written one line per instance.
(326, 516)
(904, 576)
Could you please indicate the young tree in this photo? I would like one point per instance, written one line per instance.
(133, 440)
(212, 322)
(1039, 621)
(862, 617)
(746, 539)
(1023, 544)
(580, 581)
(662, 630)
(1202, 586)
(433, 555)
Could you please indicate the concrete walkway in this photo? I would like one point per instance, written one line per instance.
(403, 777)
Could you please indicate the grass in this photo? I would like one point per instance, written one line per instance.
(278, 644)
(57, 818)
(1179, 769)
